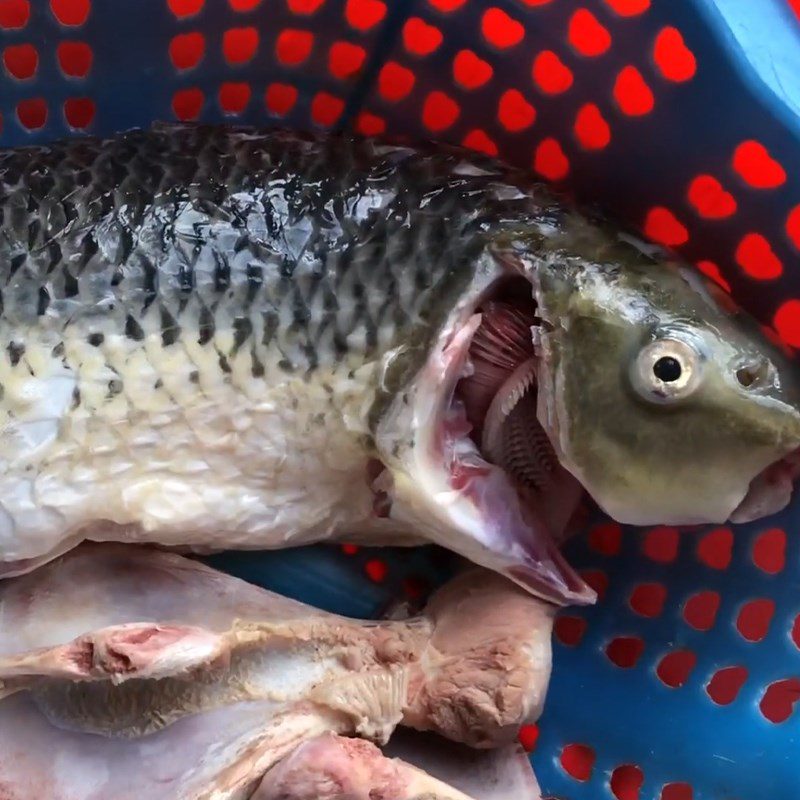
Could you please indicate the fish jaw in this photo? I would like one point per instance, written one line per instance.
(440, 484)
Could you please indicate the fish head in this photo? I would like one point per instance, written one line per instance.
(666, 401)
(585, 365)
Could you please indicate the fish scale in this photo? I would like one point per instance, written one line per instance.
(192, 315)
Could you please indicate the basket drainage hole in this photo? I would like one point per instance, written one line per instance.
(185, 8)
(569, 630)
(674, 669)
(75, 59)
(700, 610)
(754, 619)
(500, 30)
(597, 579)
(625, 651)
(32, 113)
(715, 548)
(71, 12)
(648, 599)
(778, 702)
(769, 551)
(626, 782)
(606, 539)
(186, 50)
(661, 544)
(577, 760)
(677, 791)
(725, 684)
(14, 13)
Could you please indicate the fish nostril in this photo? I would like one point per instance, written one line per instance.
(746, 376)
(752, 375)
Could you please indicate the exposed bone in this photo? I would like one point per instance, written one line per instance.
(198, 683)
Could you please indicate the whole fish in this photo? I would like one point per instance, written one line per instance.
(225, 338)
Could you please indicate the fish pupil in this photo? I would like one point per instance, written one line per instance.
(667, 369)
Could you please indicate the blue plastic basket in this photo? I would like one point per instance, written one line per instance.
(683, 117)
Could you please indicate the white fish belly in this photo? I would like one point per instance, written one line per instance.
(164, 443)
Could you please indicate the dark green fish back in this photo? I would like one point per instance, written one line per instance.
(321, 247)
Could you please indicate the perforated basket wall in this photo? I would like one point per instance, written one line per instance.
(681, 116)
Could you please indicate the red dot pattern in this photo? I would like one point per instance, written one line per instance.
(674, 59)
(234, 97)
(501, 30)
(515, 112)
(634, 97)
(70, 12)
(591, 129)
(661, 544)
(550, 161)
(756, 167)
(769, 551)
(280, 98)
(185, 8)
(79, 112)
(647, 599)
(21, 61)
(550, 74)
(395, 81)
(628, 8)
(186, 50)
(420, 38)
(326, 109)
(364, 15)
(239, 45)
(626, 782)
(709, 198)
(14, 14)
(75, 59)
(528, 737)
(625, 651)
(587, 35)
(293, 46)
(725, 684)
(712, 270)
(662, 226)
(756, 257)
(677, 791)
(376, 570)
(754, 619)
(470, 71)
(715, 548)
(606, 538)
(188, 103)
(675, 668)
(780, 699)
(700, 610)
(345, 59)
(577, 760)
(569, 630)
(439, 111)
(480, 141)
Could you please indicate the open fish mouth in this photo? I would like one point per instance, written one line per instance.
(486, 483)
(770, 491)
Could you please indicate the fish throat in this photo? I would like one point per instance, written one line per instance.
(499, 396)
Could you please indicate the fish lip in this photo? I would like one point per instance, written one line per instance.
(770, 491)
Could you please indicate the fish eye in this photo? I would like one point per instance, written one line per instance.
(666, 370)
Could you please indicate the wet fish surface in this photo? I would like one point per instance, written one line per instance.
(224, 338)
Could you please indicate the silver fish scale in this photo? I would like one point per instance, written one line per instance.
(317, 247)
